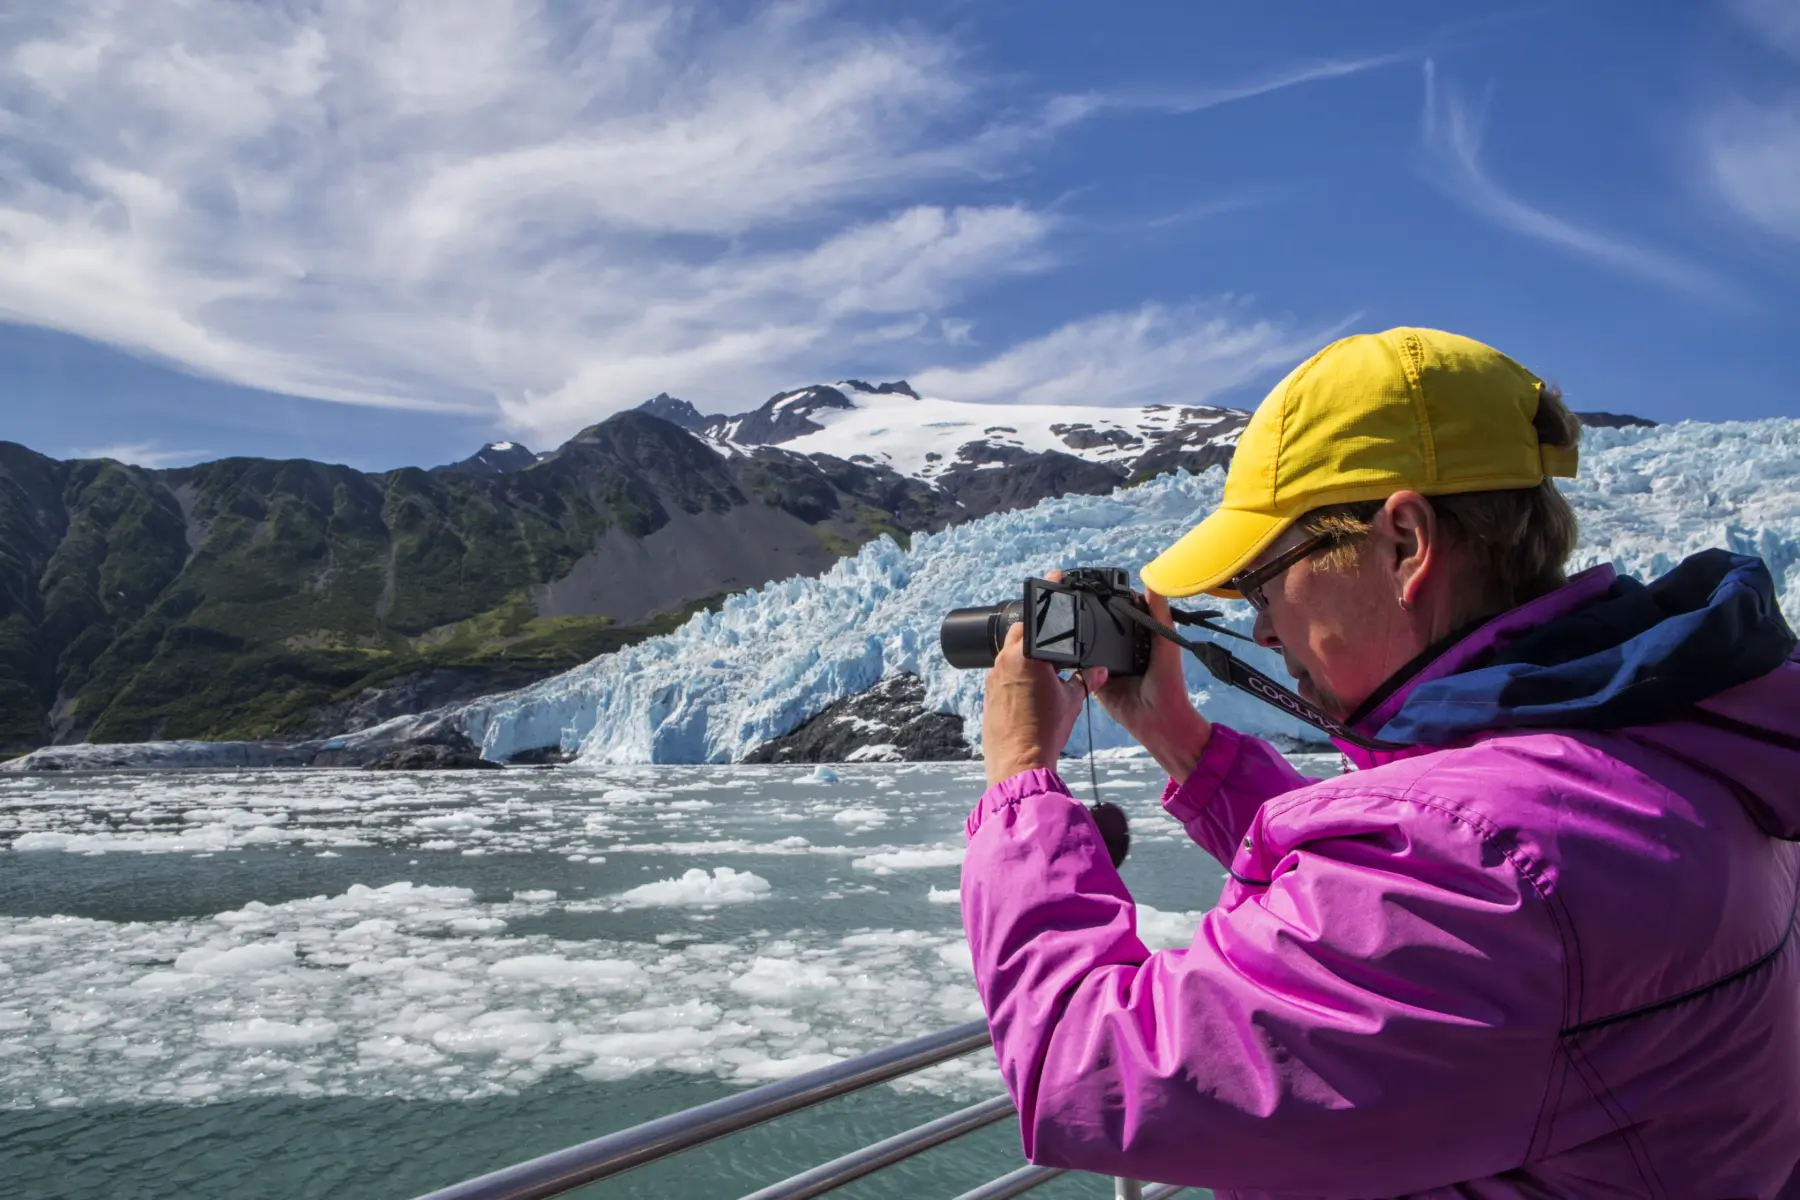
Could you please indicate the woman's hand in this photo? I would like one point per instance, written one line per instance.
(1154, 707)
(1028, 712)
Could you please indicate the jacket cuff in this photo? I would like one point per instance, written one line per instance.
(1186, 800)
(1020, 787)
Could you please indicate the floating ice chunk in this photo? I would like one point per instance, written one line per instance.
(696, 887)
(1161, 930)
(944, 896)
(783, 981)
(236, 960)
(762, 1069)
(399, 1050)
(427, 981)
(513, 1033)
(456, 820)
(673, 1016)
(957, 954)
(233, 816)
(261, 1032)
(860, 816)
(628, 795)
(925, 858)
(553, 970)
(538, 897)
(42, 841)
(822, 774)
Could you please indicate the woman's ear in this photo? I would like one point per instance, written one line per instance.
(1411, 524)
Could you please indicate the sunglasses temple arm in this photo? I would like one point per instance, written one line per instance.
(1233, 671)
(1205, 621)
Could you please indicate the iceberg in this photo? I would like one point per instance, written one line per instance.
(728, 680)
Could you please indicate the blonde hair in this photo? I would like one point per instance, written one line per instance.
(1520, 538)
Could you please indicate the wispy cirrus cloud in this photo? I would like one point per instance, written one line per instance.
(1151, 354)
(1750, 148)
(542, 211)
(1066, 109)
(1451, 136)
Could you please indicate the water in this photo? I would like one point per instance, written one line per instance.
(337, 984)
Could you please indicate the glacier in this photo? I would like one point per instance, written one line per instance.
(767, 660)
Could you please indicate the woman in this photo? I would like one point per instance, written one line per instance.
(1540, 946)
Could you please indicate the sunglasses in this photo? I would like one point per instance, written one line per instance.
(1249, 584)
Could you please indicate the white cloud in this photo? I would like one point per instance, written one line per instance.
(1777, 22)
(1751, 151)
(466, 205)
(1451, 135)
(534, 209)
(1753, 154)
(142, 454)
(1153, 355)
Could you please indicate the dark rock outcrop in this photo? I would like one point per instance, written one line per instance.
(898, 387)
(887, 723)
(1606, 420)
(451, 752)
(990, 478)
(540, 756)
(781, 418)
(415, 692)
(676, 412)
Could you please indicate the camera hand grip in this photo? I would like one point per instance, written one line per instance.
(1115, 830)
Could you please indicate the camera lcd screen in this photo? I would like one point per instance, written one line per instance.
(1053, 630)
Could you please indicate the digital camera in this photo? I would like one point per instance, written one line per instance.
(1073, 624)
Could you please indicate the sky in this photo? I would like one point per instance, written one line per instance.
(384, 232)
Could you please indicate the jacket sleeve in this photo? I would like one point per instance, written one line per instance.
(1235, 776)
(1378, 1020)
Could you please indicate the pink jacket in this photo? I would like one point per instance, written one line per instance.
(1534, 962)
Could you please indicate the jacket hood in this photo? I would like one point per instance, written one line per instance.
(1704, 648)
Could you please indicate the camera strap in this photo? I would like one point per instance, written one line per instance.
(1233, 671)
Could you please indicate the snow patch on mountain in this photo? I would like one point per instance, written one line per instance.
(769, 659)
(926, 436)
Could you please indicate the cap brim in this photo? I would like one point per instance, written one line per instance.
(1212, 552)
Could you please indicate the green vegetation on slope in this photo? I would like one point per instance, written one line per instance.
(246, 598)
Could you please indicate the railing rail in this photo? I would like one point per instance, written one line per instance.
(566, 1170)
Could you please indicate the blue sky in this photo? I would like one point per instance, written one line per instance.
(385, 234)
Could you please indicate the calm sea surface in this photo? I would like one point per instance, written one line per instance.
(349, 985)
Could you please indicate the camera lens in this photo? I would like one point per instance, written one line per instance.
(972, 637)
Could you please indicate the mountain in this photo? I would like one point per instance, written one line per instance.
(256, 598)
(495, 458)
(846, 666)
(987, 457)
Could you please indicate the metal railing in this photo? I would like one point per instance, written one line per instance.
(564, 1171)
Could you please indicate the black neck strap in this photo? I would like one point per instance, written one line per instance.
(1232, 671)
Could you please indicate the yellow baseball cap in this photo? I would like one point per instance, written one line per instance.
(1366, 417)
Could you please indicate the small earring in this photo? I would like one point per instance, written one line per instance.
(1405, 604)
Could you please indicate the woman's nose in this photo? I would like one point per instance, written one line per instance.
(1263, 631)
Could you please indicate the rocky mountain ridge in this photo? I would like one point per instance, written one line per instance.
(253, 599)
